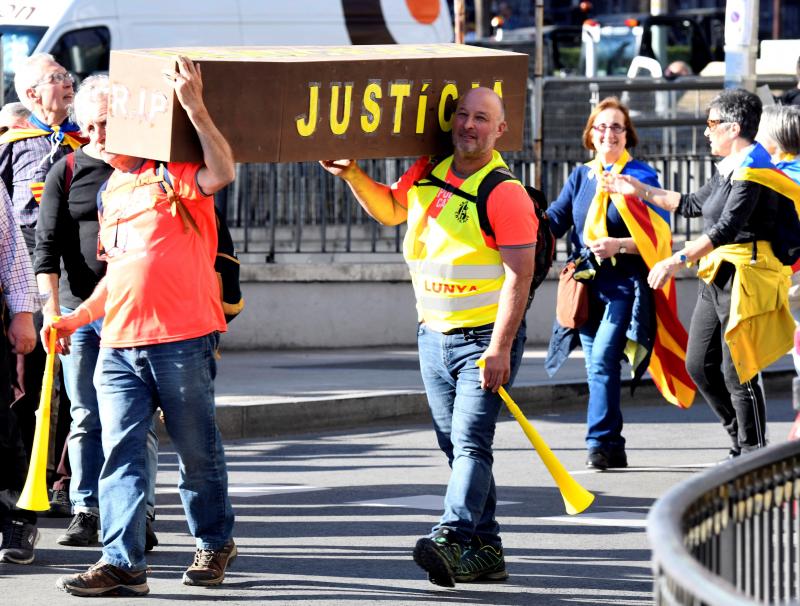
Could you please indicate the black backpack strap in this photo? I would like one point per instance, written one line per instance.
(490, 181)
(432, 181)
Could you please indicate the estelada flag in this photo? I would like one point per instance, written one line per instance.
(649, 227)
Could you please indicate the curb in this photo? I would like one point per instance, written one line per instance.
(266, 419)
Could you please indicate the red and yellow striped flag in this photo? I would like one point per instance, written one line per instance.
(653, 237)
(37, 187)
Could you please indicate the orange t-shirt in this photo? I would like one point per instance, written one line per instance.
(508, 208)
(160, 278)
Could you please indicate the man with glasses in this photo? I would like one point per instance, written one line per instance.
(26, 155)
(162, 312)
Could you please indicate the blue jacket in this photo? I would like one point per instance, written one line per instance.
(570, 210)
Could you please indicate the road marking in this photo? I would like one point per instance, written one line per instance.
(580, 472)
(255, 490)
(432, 502)
(626, 519)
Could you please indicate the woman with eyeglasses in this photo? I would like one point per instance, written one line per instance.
(614, 239)
(741, 322)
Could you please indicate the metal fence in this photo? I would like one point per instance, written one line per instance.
(294, 208)
(732, 534)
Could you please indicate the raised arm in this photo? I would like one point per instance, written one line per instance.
(218, 169)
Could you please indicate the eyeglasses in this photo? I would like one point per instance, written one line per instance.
(712, 124)
(614, 128)
(56, 78)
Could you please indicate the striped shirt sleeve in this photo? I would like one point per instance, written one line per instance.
(16, 272)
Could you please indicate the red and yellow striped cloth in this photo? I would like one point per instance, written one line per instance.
(653, 238)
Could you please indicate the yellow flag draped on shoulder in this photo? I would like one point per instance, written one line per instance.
(74, 140)
(66, 133)
(653, 238)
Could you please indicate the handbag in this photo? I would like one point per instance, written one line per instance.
(572, 302)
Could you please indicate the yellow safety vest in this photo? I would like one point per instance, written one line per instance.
(457, 278)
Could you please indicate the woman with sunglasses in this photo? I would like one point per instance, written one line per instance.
(614, 240)
(741, 322)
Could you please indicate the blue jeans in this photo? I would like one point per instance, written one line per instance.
(464, 417)
(131, 383)
(85, 444)
(603, 342)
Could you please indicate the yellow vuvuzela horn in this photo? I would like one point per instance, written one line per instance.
(576, 497)
(34, 495)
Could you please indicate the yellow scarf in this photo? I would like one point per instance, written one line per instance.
(595, 226)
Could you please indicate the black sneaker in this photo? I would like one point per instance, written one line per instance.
(439, 557)
(82, 531)
(617, 459)
(597, 459)
(105, 579)
(602, 459)
(60, 505)
(209, 565)
(150, 538)
(481, 562)
(19, 539)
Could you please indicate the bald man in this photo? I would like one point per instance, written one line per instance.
(472, 291)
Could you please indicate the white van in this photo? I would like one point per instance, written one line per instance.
(80, 33)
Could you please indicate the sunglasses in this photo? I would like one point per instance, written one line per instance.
(712, 124)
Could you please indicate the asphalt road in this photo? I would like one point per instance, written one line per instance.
(331, 518)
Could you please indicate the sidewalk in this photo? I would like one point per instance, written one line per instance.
(265, 393)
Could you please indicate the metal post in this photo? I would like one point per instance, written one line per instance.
(460, 20)
(776, 19)
(659, 34)
(481, 19)
(538, 95)
(741, 44)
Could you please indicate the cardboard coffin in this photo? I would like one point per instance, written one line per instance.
(286, 104)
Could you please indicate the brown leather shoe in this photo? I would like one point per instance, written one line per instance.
(105, 579)
(209, 565)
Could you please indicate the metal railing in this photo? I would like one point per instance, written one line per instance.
(731, 535)
(294, 208)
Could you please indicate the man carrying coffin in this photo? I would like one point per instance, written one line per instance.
(472, 292)
(163, 315)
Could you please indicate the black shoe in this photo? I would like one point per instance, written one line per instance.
(597, 459)
(82, 531)
(617, 459)
(481, 562)
(60, 506)
(606, 459)
(439, 557)
(150, 538)
(19, 539)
